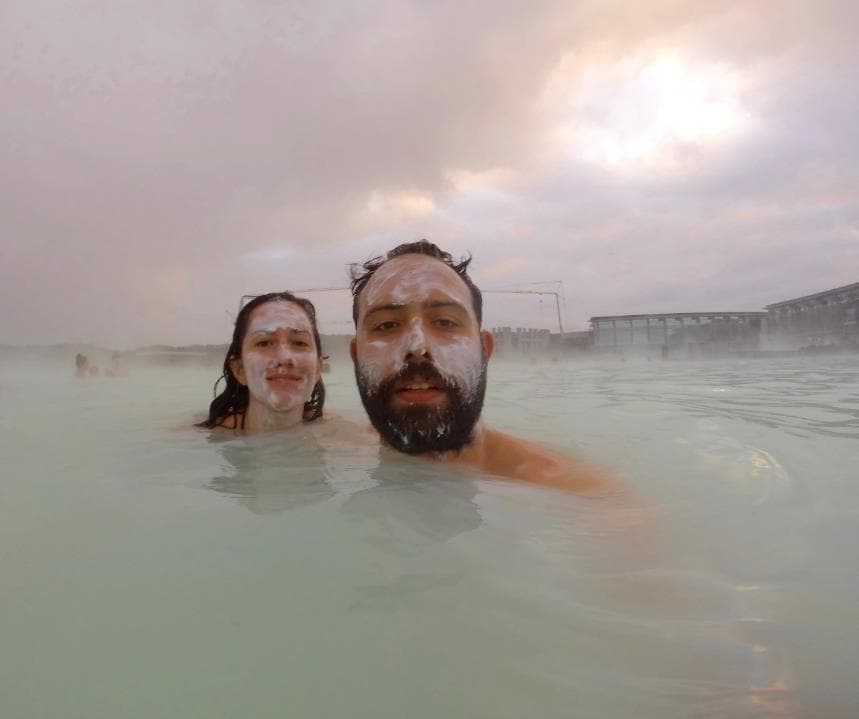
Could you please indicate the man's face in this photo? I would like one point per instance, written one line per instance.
(420, 358)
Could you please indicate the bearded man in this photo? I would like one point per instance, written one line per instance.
(421, 358)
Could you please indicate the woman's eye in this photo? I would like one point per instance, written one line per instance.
(301, 343)
(263, 343)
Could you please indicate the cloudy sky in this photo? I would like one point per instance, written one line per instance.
(160, 159)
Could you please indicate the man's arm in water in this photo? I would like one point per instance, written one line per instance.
(514, 458)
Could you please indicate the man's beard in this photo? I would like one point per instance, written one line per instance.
(417, 428)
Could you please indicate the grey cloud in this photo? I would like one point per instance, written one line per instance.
(150, 148)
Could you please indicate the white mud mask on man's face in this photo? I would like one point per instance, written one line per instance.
(280, 360)
(419, 359)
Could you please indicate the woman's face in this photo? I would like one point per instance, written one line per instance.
(279, 360)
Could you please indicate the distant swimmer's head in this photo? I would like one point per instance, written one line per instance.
(420, 356)
(273, 365)
(82, 368)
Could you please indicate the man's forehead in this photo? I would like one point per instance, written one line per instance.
(414, 278)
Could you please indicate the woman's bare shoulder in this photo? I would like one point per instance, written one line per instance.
(231, 423)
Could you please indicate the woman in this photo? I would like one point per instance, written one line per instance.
(273, 368)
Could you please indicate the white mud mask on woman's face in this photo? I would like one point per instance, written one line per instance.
(280, 361)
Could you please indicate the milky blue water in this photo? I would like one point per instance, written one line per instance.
(148, 570)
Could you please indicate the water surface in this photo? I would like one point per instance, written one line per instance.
(149, 570)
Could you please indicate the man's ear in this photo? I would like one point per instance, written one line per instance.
(238, 370)
(353, 349)
(488, 342)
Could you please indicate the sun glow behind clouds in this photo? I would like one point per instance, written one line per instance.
(398, 205)
(647, 113)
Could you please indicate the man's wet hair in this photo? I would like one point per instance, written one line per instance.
(360, 274)
(235, 397)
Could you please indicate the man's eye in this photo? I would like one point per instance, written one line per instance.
(446, 323)
(385, 326)
(301, 343)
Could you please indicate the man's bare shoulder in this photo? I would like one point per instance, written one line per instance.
(516, 458)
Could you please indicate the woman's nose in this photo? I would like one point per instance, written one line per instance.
(284, 354)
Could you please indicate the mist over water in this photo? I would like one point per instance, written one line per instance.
(162, 160)
(150, 569)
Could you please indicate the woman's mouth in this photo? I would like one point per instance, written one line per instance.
(282, 379)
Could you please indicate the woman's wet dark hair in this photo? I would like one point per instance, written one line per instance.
(235, 397)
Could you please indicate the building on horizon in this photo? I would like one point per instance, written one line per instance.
(687, 334)
(824, 319)
(510, 342)
(521, 340)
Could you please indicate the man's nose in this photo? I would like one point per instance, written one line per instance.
(417, 346)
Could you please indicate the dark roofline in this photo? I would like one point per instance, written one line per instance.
(816, 295)
(670, 315)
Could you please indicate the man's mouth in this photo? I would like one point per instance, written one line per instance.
(420, 391)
